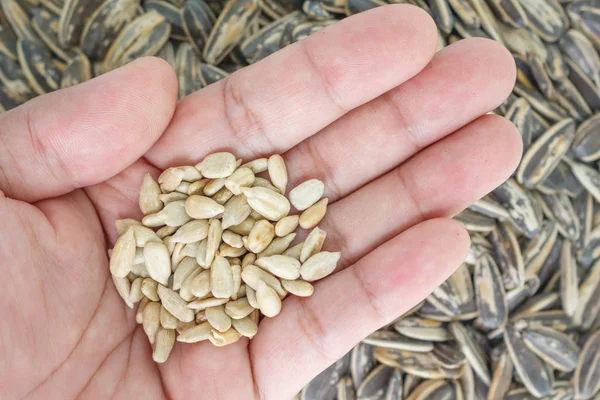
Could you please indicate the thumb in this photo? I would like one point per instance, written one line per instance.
(85, 134)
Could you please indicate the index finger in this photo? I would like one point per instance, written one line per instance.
(278, 102)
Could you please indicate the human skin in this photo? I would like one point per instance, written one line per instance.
(397, 132)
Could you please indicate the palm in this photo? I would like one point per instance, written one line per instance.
(396, 144)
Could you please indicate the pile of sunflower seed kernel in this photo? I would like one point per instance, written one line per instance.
(222, 254)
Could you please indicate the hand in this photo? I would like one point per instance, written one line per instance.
(396, 131)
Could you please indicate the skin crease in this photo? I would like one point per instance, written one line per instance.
(395, 131)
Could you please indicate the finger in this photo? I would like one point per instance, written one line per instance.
(278, 102)
(462, 82)
(203, 371)
(83, 135)
(314, 332)
(440, 181)
(127, 371)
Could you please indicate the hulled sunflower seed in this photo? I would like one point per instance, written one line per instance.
(278, 245)
(268, 203)
(123, 224)
(144, 235)
(244, 227)
(135, 292)
(197, 187)
(149, 200)
(313, 243)
(238, 309)
(236, 211)
(166, 231)
(175, 304)
(167, 320)
(242, 177)
(151, 320)
(281, 266)
(236, 271)
(199, 285)
(123, 254)
(217, 165)
(251, 296)
(139, 314)
(252, 274)
(221, 339)
(295, 251)
(123, 287)
(183, 271)
(193, 231)
(248, 259)
(286, 225)
(215, 232)
(165, 340)
(170, 179)
(201, 207)
(221, 278)
(173, 214)
(150, 289)
(298, 287)
(256, 166)
(232, 239)
(267, 299)
(264, 183)
(218, 318)
(319, 266)
(176, 255)
(158, 263)
(185, 326)
(231, 252)
(196, 333)
(260, 236)
(245, 326)
(203, 304)
(278, 172)
(313, 214)
(213, 186)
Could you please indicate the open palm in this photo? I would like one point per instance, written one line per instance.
(395, 130)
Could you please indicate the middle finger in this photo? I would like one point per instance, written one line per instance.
(438, 182)
(462, 82)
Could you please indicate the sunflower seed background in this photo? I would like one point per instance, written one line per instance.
(521, 317)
